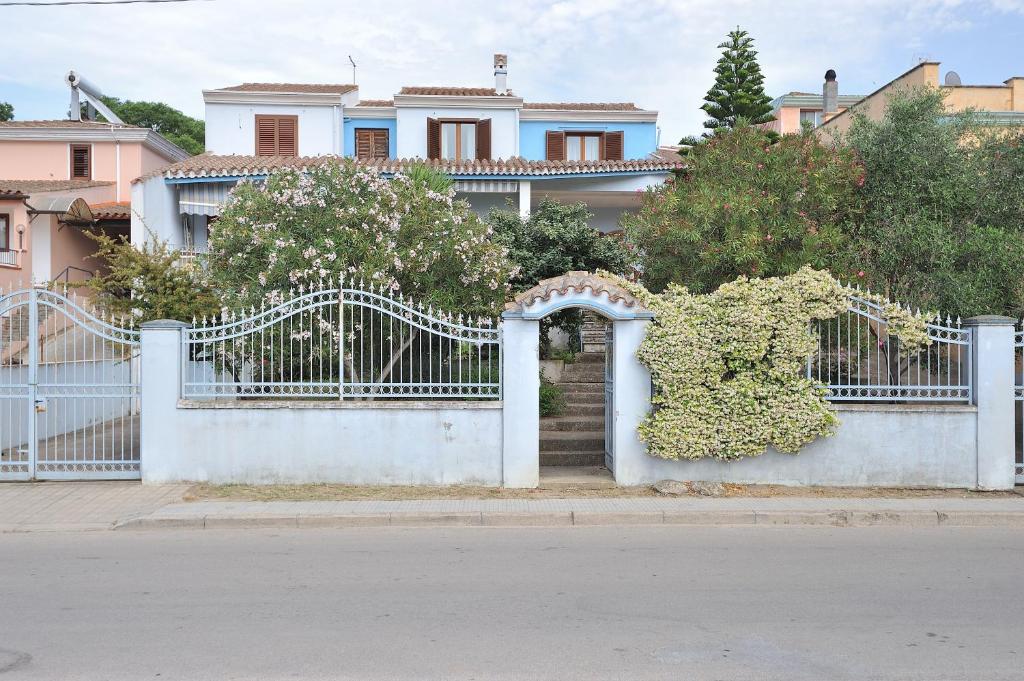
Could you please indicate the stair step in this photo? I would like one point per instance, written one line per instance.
(576, 477)
(584, 409)
(572, 458)
(571, 441)
(589, 358)
(583, 373)
(573, 423)
(582, 388)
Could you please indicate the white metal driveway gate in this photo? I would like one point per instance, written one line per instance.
(69, 386)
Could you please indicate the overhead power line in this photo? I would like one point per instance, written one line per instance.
(66, 3)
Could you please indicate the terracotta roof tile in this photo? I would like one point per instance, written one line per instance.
(583, 106)
(376, 102)
(209, 165)
(29, 187)
(112, 210)
(302, 88)
(445, 91)
(62, 124)
(573, 281)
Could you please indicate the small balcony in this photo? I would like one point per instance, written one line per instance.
(9, 258)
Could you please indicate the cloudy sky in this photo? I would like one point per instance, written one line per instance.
(657, 53)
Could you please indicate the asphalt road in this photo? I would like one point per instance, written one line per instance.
(476, 603)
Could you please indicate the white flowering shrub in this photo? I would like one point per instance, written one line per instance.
(301, 229)
(729, 367)
(405, 237)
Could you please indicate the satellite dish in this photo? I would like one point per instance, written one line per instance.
(953, 78)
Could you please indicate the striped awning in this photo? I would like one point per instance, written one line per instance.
(203, 198)
(487, 186)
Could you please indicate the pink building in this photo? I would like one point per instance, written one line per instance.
(61, 178)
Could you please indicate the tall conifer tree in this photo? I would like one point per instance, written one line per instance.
(738, 91)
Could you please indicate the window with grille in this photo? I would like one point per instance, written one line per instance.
(81, 162)
(277, 135)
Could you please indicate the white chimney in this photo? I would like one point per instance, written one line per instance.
(830, 95)
(501, 73)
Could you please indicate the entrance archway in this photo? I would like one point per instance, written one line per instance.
(629, 382)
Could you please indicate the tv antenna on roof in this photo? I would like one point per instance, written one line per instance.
(350, 61)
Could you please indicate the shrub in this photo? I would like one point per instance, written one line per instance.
(745, 206)
(301, 229)
(555, 239)
(552, 401)
(944, 212)
(149, 283)
(728, 367)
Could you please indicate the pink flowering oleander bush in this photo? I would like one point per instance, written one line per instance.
(408, 234)
(729, 366)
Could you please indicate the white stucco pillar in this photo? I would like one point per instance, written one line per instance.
(992, 369)
(524, 199)
(521, 395)
(160, 350)
(631, 400)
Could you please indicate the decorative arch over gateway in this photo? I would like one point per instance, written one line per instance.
(520, 361)
(577, 289)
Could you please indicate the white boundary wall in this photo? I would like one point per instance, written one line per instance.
(496, 443)
(875, 445)
(356, 442)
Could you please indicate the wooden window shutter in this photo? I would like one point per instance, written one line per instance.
(266, 136)
(364, 143)
(371, 143)
(555, 145)
(613, 145)
(483, 139)
(80, 162)
(288, 136)
(380, 143)
(433, 138)
(277, 135)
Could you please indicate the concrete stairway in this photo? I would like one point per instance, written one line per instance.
(576, 438)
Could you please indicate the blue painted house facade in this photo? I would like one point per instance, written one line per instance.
(501, 150)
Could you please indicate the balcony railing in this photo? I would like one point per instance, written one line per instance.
(8, 258)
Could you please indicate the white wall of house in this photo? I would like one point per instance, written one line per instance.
(231, 128)
(155, 212)
(412, 129)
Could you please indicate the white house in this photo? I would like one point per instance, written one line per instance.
(498, 148)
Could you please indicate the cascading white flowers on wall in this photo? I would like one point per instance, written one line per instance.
(729, 367)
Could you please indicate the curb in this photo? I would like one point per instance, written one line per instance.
(773, 518)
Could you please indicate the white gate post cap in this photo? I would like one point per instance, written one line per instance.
(990, 320)
(165, 324)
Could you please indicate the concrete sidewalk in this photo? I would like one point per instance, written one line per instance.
(836, 512)
(55, 506)
(63, 506)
